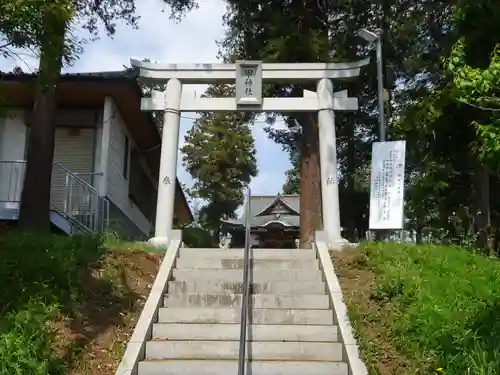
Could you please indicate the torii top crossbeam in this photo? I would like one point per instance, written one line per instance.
(226, 73)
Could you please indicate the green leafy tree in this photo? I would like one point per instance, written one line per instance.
(22, 22)
(220, 156)
(22, 25)
(479, 88)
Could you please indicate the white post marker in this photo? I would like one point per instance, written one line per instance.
(387, 185)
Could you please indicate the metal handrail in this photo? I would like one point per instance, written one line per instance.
(73, 175)
(245, 290)
(70, 195)
(88, 173)
(81, 202)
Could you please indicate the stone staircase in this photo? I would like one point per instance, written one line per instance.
(291, 329)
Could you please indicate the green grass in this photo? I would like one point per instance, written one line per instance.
(113, 240)
(40, 277)
(444, 306)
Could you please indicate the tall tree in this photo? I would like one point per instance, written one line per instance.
(292, 31)
(55, 42)
(475, 82)
(220, 156)
(414, 43)
(22, 25)
(22, 22)
(448, 181)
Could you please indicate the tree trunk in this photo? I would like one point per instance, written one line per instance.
(418, 232)
(35, 197)
(350, 193)
(310, 181)
(482, 209)
(418, 236)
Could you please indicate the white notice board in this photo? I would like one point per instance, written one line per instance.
(387, 185)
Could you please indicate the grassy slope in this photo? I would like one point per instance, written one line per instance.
(67, 305)
(424, 309)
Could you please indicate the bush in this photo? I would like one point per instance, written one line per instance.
(40, 276)
(198, 237)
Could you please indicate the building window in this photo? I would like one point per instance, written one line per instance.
(126, 153)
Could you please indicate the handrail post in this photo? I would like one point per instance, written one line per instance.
(66, 194)
(246, 291)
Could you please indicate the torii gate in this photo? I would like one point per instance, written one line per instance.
(248, 77)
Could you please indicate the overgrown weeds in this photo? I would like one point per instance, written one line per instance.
(438, 306)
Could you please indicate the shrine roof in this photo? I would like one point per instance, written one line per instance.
(267, 210)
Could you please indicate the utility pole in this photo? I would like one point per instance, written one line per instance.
(376, 37)
(380, 88)
(384, 53)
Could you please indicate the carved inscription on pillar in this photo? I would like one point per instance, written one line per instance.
(330, 180)
(166, 180)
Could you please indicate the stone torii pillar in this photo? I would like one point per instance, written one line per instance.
(248, 77)
(168, 164)
(328, 159)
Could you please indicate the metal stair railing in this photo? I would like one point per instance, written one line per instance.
(245, 299)
(70, 195)
(78, 201)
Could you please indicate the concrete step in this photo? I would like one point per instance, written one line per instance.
(256, 332)
(233, 316)
(222, 350)
(258, 301)
(266, 264)
(255, 253)
(210, 274)
(230, 367)
(272, 287)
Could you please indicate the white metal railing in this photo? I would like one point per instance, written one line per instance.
(70, 195)
(11, 182)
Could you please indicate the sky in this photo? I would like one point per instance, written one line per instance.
(193, 40)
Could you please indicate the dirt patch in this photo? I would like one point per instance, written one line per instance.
(93, 339)
(358, 284)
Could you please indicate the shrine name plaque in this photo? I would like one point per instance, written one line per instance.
(248, 83)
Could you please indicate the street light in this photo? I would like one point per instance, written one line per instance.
(371, 37)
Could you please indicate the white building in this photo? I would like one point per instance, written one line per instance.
(106, 157)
